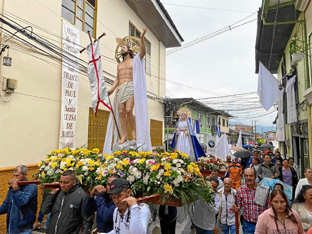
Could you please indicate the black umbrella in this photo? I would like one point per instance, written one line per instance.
(243, 153)
(266, 146)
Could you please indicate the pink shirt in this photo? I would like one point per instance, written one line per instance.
(266, 223)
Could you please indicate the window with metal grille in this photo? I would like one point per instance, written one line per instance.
(133, 31)
(208, 121)
(80, 13)
(201, 119)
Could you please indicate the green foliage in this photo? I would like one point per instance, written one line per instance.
(296, 45)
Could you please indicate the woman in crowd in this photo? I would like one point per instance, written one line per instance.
(279, 218)
(305, 181)
(303, 205)
(288, 175)
(278, 164)
(294, 165)
(255, 165)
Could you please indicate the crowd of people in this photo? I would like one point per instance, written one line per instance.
(71, 210)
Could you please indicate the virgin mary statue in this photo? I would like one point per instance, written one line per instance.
(185, 140)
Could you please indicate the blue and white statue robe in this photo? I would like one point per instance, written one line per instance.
(187, 143)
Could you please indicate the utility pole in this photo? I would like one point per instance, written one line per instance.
(252, 129)
(256, 131)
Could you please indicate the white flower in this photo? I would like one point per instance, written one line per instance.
(145, 179)
(130, 179)
(98, 170)
(50, 172)
(84, 168)
(178, 180)
(138, 174)
(58, 171)
(86, 173)
(47, 168)
(178, 165)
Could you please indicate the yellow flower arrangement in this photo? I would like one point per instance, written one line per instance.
(125, 162)
(155, 167)
(168, 189)
(142, 161)
(190, 168)
(96, 150)
(167, 166)
(167, 173)
(79, 164)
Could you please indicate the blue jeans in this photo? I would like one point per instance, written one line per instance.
(202, 231)
(248, 228)
(27, 231)
(227, 228)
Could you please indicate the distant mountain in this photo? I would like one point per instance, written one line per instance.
(260, 128)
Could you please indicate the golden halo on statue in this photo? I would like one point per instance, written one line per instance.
(186, 110)
(133, 42)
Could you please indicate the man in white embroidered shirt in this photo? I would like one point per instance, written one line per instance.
(129, 217)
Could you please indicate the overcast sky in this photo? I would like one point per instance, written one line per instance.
(223, 65)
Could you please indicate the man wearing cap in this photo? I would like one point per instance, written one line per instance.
(129, 217)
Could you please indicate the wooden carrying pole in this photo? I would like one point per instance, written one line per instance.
(108, 98)
(236, 216)
(103, 34)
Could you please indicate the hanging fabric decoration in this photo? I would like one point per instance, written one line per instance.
(96, 77)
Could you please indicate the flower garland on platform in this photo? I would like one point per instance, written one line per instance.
(172, 175)
(209, 163)
(84, 162)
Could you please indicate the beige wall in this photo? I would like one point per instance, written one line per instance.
(223, 129)
(30, 121)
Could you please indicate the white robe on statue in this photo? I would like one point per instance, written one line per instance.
(183, 142)
(141, 113)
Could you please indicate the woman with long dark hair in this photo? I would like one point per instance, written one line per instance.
(288, 175)
(279, 218)
(303, 205)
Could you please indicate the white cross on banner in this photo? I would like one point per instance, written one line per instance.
(96, 77)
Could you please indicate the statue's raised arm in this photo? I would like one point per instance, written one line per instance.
(143, 46)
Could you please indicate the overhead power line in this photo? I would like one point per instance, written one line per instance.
(211, 35)
(205, 8)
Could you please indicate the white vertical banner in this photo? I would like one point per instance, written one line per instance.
(291, 101)
(70, 85)
(280, 123)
